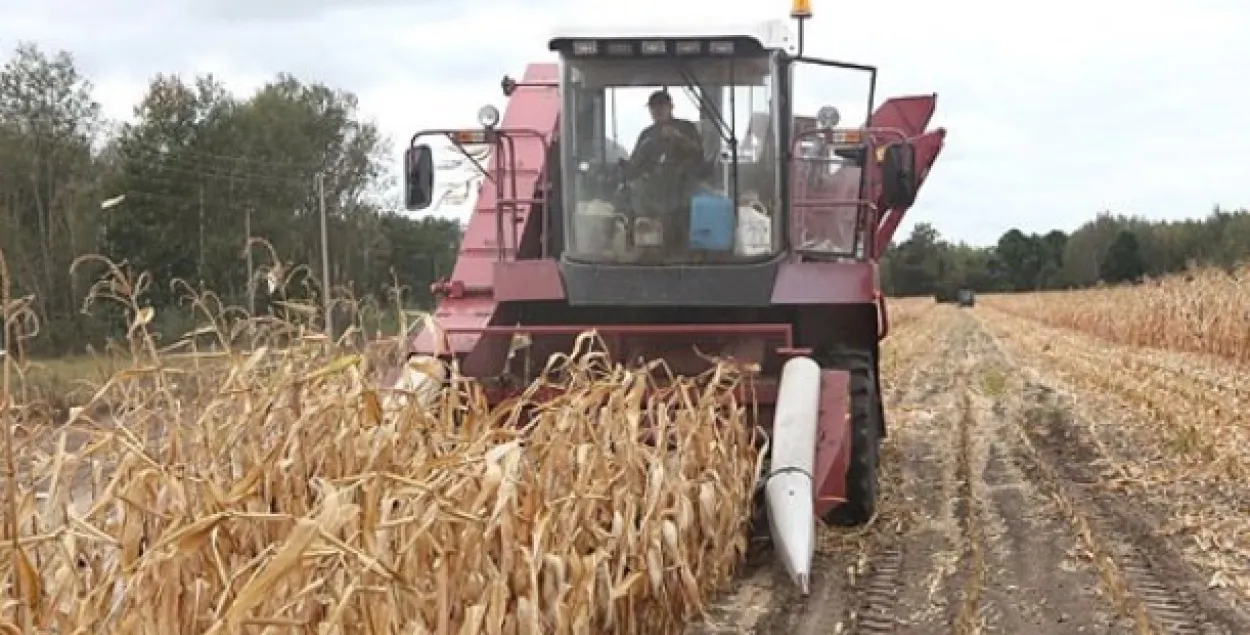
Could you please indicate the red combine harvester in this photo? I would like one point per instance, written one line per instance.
(753, 233)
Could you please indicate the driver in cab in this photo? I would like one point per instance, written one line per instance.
(668, 139)
(669, 153)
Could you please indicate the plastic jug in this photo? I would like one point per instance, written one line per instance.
(755, 232)
(711, 222)
(597, 229)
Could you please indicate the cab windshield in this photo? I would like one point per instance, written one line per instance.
(670, 160)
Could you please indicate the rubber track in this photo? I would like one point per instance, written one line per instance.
(880, 590)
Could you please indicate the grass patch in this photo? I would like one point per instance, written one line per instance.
(993, 382)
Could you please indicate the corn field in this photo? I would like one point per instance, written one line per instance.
(1204, 311)
(295, 494)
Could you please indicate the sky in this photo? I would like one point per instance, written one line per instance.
(1055, 110)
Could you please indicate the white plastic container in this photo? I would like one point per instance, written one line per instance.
(754, 235)
(597, 228)
(648, 232)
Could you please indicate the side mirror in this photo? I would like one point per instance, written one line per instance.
(418, 177)
(898, 175)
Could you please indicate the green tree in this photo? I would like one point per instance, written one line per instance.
(916, 264)
(199, 172)
(171, 222)
(1028, 261)
(204, 170)
(1123, 261)
(49, 182)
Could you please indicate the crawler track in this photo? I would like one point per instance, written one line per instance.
(994, 518)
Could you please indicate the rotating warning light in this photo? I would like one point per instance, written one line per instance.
(800, 9)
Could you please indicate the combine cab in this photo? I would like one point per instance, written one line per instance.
(752, 230)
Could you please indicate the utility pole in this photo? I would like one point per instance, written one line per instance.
(200, 270)
(325, 257)
(247, 251)
(250, 287)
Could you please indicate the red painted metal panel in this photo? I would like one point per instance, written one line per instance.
(530, 107)
(539, 279)
(825, 283)
(833, 445)
(910, 114)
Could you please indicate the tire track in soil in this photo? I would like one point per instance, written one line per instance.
(914, 373)
(922, 426)
(987, 554)
(1146, 579)
(968, 539)
(1036, 579)
(847, 569)
(1172, 462)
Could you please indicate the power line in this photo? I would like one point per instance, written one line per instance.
(155, 165)
(179, 150)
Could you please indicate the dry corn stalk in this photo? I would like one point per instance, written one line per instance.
(288, 496)
(1201, 311)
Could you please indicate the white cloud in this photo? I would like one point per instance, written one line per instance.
(1055, 110)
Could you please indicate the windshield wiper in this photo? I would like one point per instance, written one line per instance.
(727, 133)
(700, 96)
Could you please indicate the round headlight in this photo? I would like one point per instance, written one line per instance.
(488, 116)
(828, 117)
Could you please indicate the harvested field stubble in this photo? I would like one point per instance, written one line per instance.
(1202, 311)
(294, 495)
(902, 311)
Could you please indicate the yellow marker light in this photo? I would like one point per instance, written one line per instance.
(470, 136)
(848, 137)
(881, 154)
(800, 9)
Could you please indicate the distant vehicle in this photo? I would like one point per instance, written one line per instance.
(967, 298)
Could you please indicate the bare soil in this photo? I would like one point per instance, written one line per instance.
(994, 517)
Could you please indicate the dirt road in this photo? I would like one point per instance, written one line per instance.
(998, 513)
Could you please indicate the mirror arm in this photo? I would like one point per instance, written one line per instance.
(476, 164)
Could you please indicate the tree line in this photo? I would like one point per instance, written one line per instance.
(195, 185)
(179, 191)
(1110, 249)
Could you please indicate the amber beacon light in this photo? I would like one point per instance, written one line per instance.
(800, 9)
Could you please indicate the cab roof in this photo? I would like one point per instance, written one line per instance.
(769, 34)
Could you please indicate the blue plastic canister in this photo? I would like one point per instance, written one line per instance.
(711, 222)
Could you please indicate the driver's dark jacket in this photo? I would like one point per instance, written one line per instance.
(652, 143)
(664, 191)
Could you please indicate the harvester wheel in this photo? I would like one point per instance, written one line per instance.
(866, 426)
